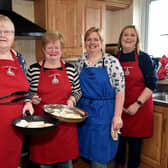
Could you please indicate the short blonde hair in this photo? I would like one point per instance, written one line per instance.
(52, 37)
(7, 21)
(91, 30)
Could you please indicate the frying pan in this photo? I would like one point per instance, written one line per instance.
(36, 131)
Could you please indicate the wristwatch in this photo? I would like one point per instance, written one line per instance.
(139, 102)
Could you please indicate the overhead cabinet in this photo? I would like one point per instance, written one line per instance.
(117, 4)
(72, 18)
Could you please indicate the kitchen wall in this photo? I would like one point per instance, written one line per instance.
(26, 47)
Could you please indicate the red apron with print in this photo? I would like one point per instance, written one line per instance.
(140, 124)
(61, 144)
(12, 79)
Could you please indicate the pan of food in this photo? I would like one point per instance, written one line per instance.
(62, 113)
(35, 125)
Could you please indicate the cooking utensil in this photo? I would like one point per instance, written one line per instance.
(39, 130)
(52, 108)
(14, 100)
(14, 93)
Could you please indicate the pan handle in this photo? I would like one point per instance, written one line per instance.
(27, 112)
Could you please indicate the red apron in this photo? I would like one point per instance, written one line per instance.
(140, 124)
(61, 144)
(12, 79)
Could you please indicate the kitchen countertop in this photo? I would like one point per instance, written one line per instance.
(160, 98)
(160, 103)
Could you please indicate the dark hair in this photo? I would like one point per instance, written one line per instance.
(137, 45)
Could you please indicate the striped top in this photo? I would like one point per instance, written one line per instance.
(33, 75)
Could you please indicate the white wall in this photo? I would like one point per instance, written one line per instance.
(115, 21)
(140, 19)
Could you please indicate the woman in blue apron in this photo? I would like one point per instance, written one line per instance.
(102, 85)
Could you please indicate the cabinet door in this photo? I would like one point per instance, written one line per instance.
(89, 13)
(63, 17)
(94, 15)
(153, 149)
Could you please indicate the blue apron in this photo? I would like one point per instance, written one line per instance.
(98, 99)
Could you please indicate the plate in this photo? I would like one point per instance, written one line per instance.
(50, 124)
(65, 114)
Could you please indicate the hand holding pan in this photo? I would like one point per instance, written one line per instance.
(44, 129)
(27, 112)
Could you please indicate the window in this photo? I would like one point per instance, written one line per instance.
(158, 28)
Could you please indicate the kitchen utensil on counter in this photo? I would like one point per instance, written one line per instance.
(61, 112)
(35, 124)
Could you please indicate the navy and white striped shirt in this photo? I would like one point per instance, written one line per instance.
(33, 75)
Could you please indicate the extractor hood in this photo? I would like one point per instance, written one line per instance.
(23, 27)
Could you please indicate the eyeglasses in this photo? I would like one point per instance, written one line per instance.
(6, 32)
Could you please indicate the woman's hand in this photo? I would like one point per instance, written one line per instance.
(36, 99)
(143, 97)
(71, 102)
(27, 107)
(132, 109)
(117, 124)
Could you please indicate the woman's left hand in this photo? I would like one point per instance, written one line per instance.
(28, 107)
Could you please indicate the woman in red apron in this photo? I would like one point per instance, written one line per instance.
(54, 82)
(140, 79)
(12, 79)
